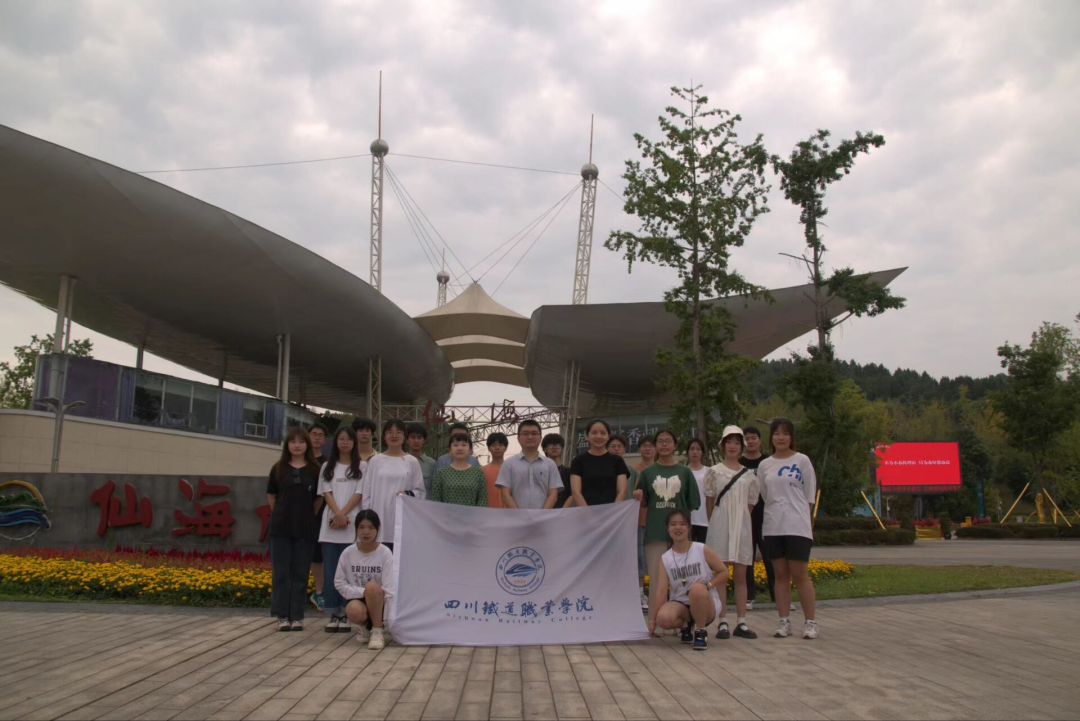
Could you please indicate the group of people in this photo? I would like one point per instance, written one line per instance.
(332, 508)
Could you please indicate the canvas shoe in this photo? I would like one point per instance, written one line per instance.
(343, 624)
(332, 625)
(701, 639)
(750, 604)
(297, 626)
(810, 630)
(644, 600)
(319, 600)
(687, 635)
(363, 635)
(784, 629)
(283, 624)
(377, 641)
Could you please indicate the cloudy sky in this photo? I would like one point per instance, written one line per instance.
(975, 190)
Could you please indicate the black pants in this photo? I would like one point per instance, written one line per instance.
(751, 589)
(290, 563)
(698, 533)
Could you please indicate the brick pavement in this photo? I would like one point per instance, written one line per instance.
(995, 658)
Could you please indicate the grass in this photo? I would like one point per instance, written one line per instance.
(898, 580)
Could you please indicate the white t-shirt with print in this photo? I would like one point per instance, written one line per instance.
(343, 488)
(788, 487)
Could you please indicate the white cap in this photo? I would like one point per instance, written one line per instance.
(733, 431)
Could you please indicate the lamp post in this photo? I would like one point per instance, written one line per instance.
(60, 408)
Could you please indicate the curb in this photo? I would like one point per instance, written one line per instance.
(936, 597)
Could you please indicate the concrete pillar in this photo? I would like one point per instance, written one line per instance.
(69, 308)
(286, 358)
(58, 335)
(139, 350)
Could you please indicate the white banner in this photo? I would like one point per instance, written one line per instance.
(501, 577)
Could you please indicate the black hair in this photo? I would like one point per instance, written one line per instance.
(658, 434)
(455, 437)
(787, 425)
(416, 429)
(335, 456)
(671, 514)
(594, 421)
(459, 426)
(699, 442)
(364, 424)
(497, 438)
(394, 423)
(650, 439)
(319, 427)
(367, 515)
(751, 431)
(552, 439)
(621, 438)
(528, 422)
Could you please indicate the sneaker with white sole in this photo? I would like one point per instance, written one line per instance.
(377, 641)
(283, 624)
(363, 635)
(810, 630)
(750, 604)
(319, 601)
(297, 626)
(333, 625)
(784, 629)
(644, 600)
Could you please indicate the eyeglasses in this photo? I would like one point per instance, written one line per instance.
(528, 433)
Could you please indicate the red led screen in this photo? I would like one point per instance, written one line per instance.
(918, 467)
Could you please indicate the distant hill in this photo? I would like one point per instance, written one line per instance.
(878, 382)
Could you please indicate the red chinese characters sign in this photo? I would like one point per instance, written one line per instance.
(213, 519)
(114, 514)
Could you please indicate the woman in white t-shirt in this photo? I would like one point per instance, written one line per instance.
(687, 586)
(699, 517)
(365, 579)
(388, 474)
(731, 491)
(788, 487)
(339, 485)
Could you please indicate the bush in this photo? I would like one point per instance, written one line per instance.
(946, 527)
(1036, 531)
(983, 531)
(1066, 532)
(846, 523)
(859, 537)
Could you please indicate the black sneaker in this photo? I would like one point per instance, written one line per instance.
(701, 639)
(744, 631)
(687, 634)
(722, 632)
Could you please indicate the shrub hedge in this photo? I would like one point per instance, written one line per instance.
(859, 537)
(846, 523)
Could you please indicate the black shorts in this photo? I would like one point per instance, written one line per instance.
(317, 558)
(698, 533)
(793, 548)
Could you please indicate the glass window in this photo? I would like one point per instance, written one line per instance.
(254, 410)
(178, 403)
(204, 405)
(147, 402)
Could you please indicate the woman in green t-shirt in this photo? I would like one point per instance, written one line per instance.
(661, 488)
(460, 483)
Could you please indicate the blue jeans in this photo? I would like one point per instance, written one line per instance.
(331, 553)
(642, 568)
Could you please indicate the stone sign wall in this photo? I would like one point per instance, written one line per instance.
(99, 510)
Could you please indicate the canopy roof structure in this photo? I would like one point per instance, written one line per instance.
(615, 344)
(199, 286)
(484, 339)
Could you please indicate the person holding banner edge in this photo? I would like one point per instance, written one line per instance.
(365, 578)
(687, 584)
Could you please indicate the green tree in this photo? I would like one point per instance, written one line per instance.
(804, 177)
(697, 195)
(17, 381)
(1041, 398)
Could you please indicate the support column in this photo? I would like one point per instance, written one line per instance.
(139, 351)
(224, 369)
(374, 393)
(277, 378)
(286, 358)
(571, 383)
(58, 335)
(72, 282)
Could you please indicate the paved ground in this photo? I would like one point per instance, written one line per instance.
(1034, 554)
(1000, 658)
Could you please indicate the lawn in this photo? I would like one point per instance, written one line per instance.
(896, 580)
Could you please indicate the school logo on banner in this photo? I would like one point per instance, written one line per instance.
(520, 571)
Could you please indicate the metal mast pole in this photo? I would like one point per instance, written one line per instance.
(443, 277)
(586, 221)
(379, 150)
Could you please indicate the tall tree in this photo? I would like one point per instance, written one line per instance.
(697, 193)
(1041, 399)
(17, 381)
(805, 177)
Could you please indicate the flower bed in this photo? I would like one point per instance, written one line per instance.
(818, 570)
(220, 578)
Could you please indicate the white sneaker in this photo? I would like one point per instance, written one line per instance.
(644, 600)
(810, 630)
(363, 635)
(749, 605)
(784, 629)
(378, 641)
(332, 625)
